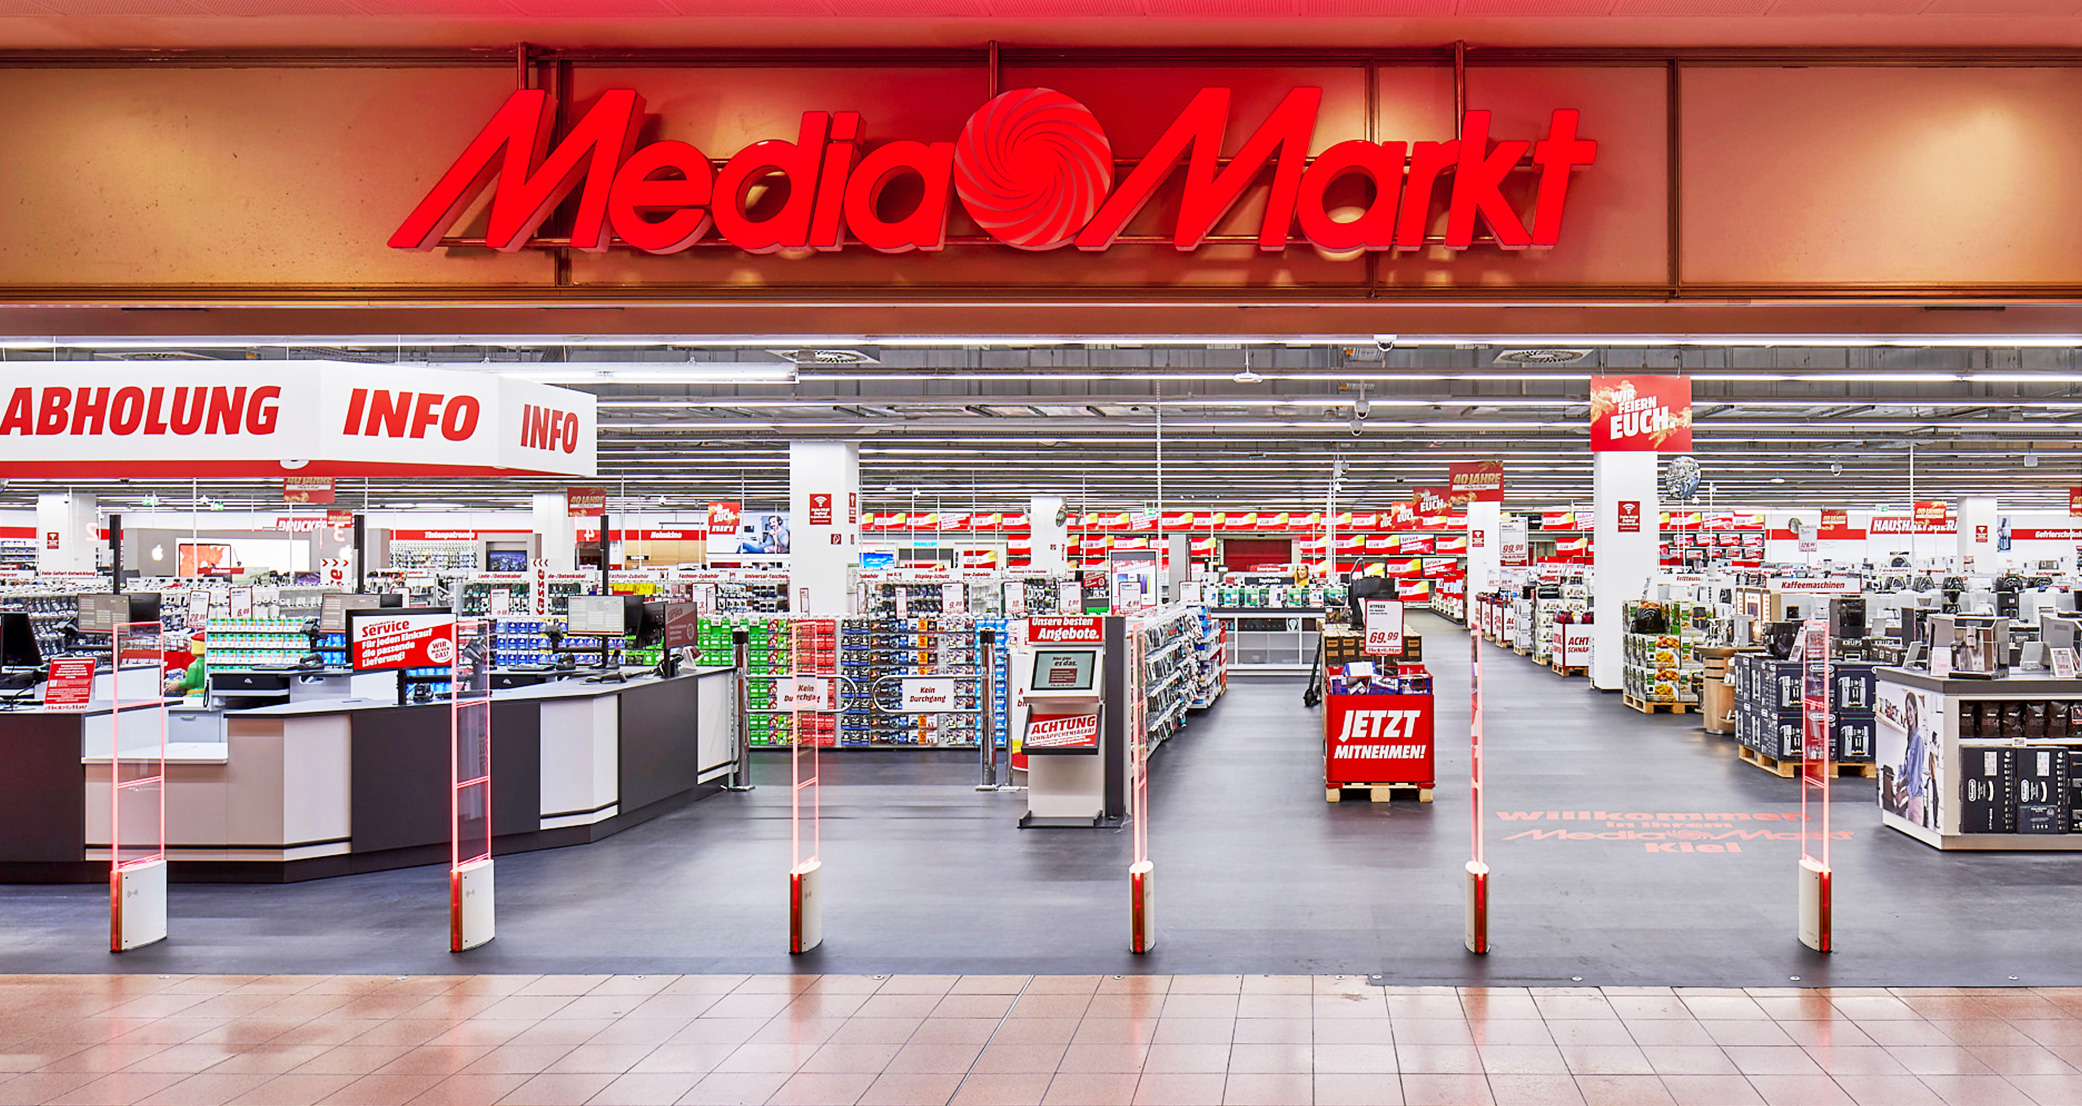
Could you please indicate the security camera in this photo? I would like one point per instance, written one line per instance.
(1357, 426)
(1360, 407)
(1836, 468)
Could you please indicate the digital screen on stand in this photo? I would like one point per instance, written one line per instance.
(1064, 669)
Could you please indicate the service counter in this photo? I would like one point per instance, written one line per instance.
(325, 787)
(1970, 763)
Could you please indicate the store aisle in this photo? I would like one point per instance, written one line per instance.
(1255, 873)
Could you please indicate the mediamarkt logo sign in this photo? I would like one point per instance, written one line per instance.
(1032, 167)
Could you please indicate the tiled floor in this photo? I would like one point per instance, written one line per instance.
(1018, 1041)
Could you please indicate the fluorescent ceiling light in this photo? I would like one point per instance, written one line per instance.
(649, 372)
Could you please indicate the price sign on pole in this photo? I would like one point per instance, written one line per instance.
(1383, 628)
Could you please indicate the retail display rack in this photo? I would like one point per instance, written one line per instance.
(1170, 669)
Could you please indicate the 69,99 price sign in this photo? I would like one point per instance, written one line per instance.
(401, 639)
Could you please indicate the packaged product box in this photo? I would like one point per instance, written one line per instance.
(2074, 789)
(2041, 789)
(1987, 789)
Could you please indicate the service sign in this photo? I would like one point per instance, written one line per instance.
(1056, 734)
(1641, 414)
(287, 418)
(71, 682)
(1476, 481)
(395, 639)
(1629, 516)
(1056, 629)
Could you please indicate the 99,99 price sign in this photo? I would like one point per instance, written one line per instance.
(397, 639)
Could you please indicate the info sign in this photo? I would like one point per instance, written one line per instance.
(71, 682)
(391, 639)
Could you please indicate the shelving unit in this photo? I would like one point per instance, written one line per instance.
(1211, 658)
(1170, 669)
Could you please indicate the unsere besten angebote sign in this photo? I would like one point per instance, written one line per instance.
(278, 418)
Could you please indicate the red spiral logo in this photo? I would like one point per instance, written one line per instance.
(1032, 166)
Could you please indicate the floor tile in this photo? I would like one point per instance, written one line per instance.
(1177, 1088)
(1445, 1089)
(907, 1088)
(1088, 1088)
(1267, 1088)
(1334, 1089)
(1002, 1090)
(822, 1088)
(1710, 1090)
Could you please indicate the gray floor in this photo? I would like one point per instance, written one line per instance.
(1255, 873)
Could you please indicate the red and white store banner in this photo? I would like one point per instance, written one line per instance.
(273, 418)
(1476, 481)
(413, 639)
(307, 489)
(1907, 524)
(585, 502)
(2075, 501)
(1641, 414)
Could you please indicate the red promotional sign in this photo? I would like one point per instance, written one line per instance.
(1836, 526)
(1476, 481)
(1629, 516)
(339, 520)
(1378, 739)
(1641, 414)
(1062, 629)
(307, 489)
(723, 519)
(585, 502)
(1061, 733)
(2075, 501)
(1032, 167)
(410, 639)
(1930, 512)
(71, 682)
(820, 509)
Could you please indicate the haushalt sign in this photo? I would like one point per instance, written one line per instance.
(1032, 167)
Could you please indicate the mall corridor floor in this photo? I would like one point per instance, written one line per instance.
(1017, 1040)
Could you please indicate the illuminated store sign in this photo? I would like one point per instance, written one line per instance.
(1032, 167)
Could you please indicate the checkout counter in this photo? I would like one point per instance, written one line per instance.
(340, 778)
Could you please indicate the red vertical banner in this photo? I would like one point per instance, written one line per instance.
(2075, 502)
(1641, 414)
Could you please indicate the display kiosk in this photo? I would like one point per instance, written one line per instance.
(1071, 740)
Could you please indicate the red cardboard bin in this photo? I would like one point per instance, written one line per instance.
(1378, 739)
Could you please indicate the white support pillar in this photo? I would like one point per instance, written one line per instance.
(824, 521)
(68, 531)
(1485, 535)
(1624, 560)
(1049, 529)
(555, 537)
(1978, 522)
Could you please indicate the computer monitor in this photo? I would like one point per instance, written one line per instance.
(333, 607)
(682, 625)
(649, 626)
(2056, 632)
(101, 613)
(18, 641)
(604, 615)
(1064, 669)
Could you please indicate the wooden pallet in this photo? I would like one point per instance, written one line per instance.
(1521, 650)
(1568, 670)
(1380, 792)
(1646, 707)
(1787, 769)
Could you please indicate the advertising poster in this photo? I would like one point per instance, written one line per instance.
(1062, 733)
(757, 532)
(1908, 753)
(1513, 550)
(307, 489)
(722, 523)
(401, 639)
(585, 502)
(1641, 414)
(1476, 481)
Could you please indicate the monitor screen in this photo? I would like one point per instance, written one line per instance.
(333, 607)
(18, 641)
(1064, 669)
(507, 560)
(596, 614)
